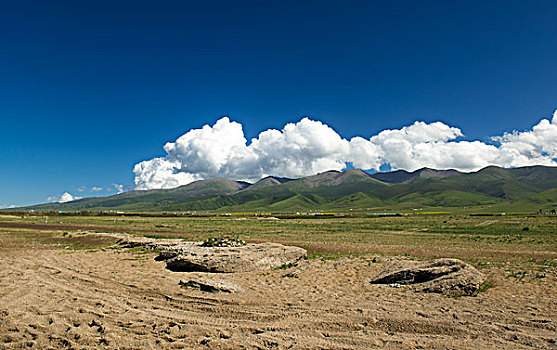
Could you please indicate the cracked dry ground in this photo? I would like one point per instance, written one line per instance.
(123, 299)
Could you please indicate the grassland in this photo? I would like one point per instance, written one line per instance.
(479, 239)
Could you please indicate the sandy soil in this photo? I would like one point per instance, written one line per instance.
(122, 299)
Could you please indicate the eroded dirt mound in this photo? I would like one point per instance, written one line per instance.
(447, 276)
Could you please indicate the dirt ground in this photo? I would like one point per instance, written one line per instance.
(52, 298)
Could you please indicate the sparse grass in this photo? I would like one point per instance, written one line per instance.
(325, 255)
(485, 287)
(160, 236)
(518, 275)
(223, 241)
(76, 241)
(137, 258)
(478, 239)
(286, 266)
(373, 260)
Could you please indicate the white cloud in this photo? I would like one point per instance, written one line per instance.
(161, 173)
(298, 149)
(308, 147)
(63, 198)
(536, 146)
(119, 188)
(67, 197)
(96, 189)
(81, 189)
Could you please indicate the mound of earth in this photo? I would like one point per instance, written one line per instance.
(447, 276)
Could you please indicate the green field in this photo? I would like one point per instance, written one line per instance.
(477, 239)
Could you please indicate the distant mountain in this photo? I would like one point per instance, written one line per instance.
(525, 188)
(403, 176)
(269, 181)
(152, 199)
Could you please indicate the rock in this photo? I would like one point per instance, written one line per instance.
(251, 257)
(184, 256)
(447, 276)
(211, 285)
(131, 241)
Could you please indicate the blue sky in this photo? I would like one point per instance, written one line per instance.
(89, 89)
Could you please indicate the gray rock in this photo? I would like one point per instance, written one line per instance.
(251, 257)
(447, 276)
(184, 256)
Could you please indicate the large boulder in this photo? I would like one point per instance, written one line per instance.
(447, 276)
(192, 256)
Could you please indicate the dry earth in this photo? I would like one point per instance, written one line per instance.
(51, 298)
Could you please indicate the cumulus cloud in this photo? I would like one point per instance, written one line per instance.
(536, 146)
(120, 188)
(81, 189)
(96, 189)
(67, 197)
(308, 147)
(63, 198)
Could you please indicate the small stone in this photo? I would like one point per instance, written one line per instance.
(224, 334)
(211, 285)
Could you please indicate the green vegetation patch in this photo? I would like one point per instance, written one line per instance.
(224, 241)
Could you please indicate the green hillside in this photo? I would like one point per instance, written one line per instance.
(523, 189)
(355, 200)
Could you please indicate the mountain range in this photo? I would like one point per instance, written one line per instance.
(526, 189)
